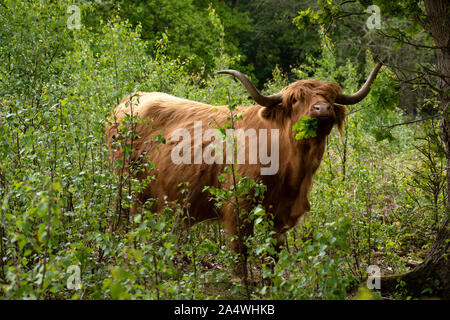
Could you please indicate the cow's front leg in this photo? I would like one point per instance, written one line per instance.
(238, 231)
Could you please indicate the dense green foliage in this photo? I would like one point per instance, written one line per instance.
(375, 200)
(190, 31)
(257, 45)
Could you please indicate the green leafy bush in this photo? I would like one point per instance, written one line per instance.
(63, 203)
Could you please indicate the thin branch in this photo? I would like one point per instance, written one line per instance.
(410, 43)
(348, 1)
(420, 76)
(409, 122)
(435, 73)
(422, 23)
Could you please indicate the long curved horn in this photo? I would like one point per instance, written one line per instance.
(266, 101)
(362, 93)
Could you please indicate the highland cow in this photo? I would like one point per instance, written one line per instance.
(288, 186)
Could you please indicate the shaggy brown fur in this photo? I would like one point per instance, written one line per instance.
(287, 190)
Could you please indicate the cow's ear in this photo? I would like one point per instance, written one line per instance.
(341, 112)
(276, 113)
(271, 113)
(282, 110)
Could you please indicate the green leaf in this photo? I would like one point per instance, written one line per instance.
(306, 128)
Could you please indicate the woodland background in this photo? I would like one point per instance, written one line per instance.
(379, 198)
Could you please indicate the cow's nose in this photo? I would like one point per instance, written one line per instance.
(322, 109)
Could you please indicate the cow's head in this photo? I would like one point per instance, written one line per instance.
(312, 98)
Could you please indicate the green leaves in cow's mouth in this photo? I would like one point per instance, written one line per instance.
(306, 128)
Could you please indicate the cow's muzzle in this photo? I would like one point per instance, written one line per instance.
(322, 110)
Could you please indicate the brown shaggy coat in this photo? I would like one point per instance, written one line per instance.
(287, 190)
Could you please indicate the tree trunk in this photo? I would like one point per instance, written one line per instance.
(432, 277)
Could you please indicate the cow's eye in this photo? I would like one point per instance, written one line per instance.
(294, 100)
